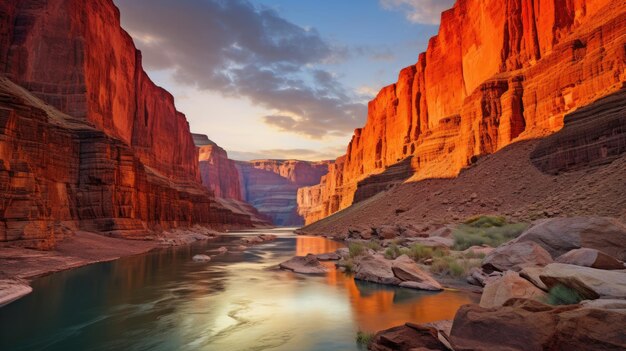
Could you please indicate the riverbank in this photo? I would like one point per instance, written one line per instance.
(19, 266)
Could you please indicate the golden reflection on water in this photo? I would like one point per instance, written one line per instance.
(377, 307)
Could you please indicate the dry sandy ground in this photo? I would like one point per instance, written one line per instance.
(18, 265)
(504, 183)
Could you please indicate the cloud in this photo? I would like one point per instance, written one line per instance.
(288, 154)
(419, 11)
(244, 51)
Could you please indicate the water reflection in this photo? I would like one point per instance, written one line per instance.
(239, 301)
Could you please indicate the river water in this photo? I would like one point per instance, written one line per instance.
(163, 300)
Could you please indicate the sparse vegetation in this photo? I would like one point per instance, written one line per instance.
(471, 254)
(348, 267)
(392, 252)
(373, 245)
(457, 268)
(363, 339)
(356, 249)
(486, 230)
(420, 252)
(562, 295)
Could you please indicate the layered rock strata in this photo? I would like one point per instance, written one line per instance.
(272, 186)
(497, 72)
(86, 139)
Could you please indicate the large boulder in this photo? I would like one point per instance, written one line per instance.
(590, 258)
(516, 256)
(406, 338)
(308, 264)
(590, 283)
(527, 325)
(376, 269)
(386, 232)
(510, 285)
(412, 276)
(201, 258)
(560, 235)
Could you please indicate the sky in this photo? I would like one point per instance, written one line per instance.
(279, 79)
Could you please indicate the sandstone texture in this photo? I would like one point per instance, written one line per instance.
(87, 141)
(527, 325)
(308, 264)
(497, 72)
(272, 186)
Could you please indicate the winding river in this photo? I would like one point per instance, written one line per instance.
(163, 300)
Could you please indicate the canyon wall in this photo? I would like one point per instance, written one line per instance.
(272, 186)
(217, 171)
(87, 140)
(497, 72)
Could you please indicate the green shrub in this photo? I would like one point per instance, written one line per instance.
(562, 295)
(456, 268)
(485, 230)
(349, 267)
(392, 252)
(471, 254)
(373, 245)
(363, 339)
(486, 221)
(356, 249)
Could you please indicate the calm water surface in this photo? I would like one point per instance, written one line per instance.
(163, 300)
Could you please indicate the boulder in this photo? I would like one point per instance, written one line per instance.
(201, 258)
(308, 264)
(407, 337)
(590, 283)
(376, 269)
(386, 232)
(510, 285)
(532, 275)
(527, 325)
(406, 270)
(560, 235)
(590, 258)
(479, 277)
(515, 256)
(331, 256)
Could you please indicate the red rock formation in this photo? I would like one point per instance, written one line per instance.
(272, 185)
(497, 72)
(217, 171)
(91, 143)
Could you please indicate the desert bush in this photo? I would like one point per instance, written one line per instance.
(456, 268)
(471, 254)
(392, 252)
(562, 295)
(363, 339)
(373, 245)
(356, 249)
(485, 230)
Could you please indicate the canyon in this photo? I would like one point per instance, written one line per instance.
(270, 186)
(87, 141)
(498, 72)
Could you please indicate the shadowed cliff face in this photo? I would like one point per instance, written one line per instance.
(497, 72)
(91, 143)
(272, 185)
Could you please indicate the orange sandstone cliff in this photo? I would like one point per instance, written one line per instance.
(497, 72)
(87, 141)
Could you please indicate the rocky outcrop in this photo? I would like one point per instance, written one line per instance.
(529, 325)
(497, 72)
(510, 285)
(560, 235)
(308, 264)
(217, 171)
(90, 142)
(272, 186)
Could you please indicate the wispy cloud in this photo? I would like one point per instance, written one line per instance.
(419, 11)
(241, 50)
(287, 154)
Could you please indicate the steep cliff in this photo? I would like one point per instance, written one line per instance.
(90, 142)
(497, 72)
(272, 185)
(217, 171)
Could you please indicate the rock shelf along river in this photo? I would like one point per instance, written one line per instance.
(163, 300)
